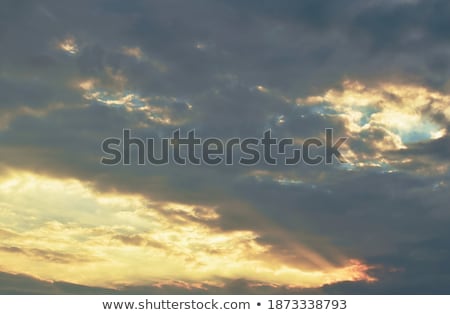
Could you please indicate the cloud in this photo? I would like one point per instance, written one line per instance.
(158, 240)
(83, 72)
(24, 284)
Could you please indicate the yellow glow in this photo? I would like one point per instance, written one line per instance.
(200, 46)
(262, 89)
(438, 134)
(61, 229)
(87, 84)
(133, 102)
(69, 45)
(394, 108)
(135, 52)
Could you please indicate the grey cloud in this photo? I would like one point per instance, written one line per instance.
(294, 48)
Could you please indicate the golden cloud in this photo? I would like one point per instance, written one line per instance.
(63, 230)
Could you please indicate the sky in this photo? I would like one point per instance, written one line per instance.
(75, 73)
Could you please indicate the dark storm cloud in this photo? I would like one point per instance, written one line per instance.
(22, 284)
(364, 213)
(428, 158)
(287, 44)
(213, 54)
(438, 150)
